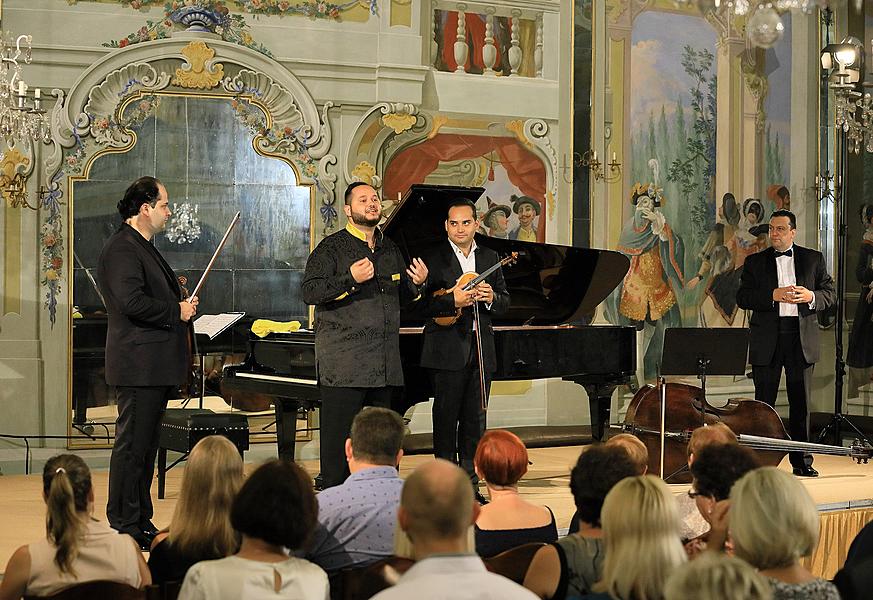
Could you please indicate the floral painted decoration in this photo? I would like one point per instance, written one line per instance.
(283, 140)
(52, 246)
(231, 27)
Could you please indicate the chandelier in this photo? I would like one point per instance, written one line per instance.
(764, 27)
(184, 226)
(21, 114)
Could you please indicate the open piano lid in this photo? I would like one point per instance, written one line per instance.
(550, 284)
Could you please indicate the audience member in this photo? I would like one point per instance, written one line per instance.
(714, 471)
(855, 579)
(274, 512)
(200, 528)
(693, 524)
(774, 523)
(716, 576)
(77, 548)
(437, 508)
(356, 520)
(639, 455)
(634, 447)
(641, 540)
(570, 566)
(508, 520)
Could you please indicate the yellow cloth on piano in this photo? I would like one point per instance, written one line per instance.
(263, 327)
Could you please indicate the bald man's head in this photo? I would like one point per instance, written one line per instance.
(436, 502)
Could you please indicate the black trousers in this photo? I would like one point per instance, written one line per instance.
(132, 465)
(798, 379)
(458, 418)
(339, 405)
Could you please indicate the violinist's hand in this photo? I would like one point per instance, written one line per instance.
(417, 271)
(870, 296)
(484, 292)
(194, 300)
(463, 298)
(187, 310)
(362, 270)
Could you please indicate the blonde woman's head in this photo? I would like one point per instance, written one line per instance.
(717, 576)
(773, 520)
(201, 520)
(641, 531)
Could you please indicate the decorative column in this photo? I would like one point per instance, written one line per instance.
(461, 48)
(514, 50)
(735, 160)
(538, 49)
(489, 51)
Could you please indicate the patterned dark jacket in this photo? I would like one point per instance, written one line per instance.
(357, 326)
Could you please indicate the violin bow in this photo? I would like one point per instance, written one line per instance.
(215, 254)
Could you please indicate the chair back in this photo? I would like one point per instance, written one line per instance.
(513, 563)
(164, 591)
(365, 582)
(95, 590)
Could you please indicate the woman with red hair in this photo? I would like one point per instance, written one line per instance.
(508, 520)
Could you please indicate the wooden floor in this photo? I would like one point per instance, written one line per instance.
(22, 511)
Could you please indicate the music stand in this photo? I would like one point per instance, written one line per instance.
(701, 351)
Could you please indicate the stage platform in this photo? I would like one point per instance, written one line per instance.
(843, 492)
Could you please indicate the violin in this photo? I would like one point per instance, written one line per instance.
(756, 424)
(467, 281)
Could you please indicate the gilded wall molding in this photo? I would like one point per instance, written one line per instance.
(122, 89)
(375, 130)
(199, 72)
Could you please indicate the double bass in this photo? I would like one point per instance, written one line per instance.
(756, 424)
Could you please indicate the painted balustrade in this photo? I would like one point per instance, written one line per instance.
(497, 38)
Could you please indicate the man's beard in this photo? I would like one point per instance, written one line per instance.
(365, 221)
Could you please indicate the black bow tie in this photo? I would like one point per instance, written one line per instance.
(786, 253)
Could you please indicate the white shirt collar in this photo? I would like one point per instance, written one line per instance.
(461, 252)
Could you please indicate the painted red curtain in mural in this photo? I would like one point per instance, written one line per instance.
(414, 164)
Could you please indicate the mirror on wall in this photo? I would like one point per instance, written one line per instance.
(205, 156)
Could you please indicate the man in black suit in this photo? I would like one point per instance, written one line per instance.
(450, 352)
(147, 356)
(784, 286)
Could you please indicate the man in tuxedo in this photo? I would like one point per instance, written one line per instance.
(449, 352)
(784, 286)
(147, 356)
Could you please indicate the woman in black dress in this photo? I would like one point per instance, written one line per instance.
(860, 356)
(200, 529)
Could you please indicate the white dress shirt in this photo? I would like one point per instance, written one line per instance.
(786, 276)
(454, 577)
(468, 263)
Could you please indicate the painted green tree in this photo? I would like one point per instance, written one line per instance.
(694, 168)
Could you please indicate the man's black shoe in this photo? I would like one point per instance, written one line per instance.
(807, 471)
(149, 529)
(143, 541)
(480, 499)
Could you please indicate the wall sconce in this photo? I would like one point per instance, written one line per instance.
(845, 61)
(822, 187)
(14, 191)
(598, 169)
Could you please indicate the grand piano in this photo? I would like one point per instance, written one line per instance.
(554, 291)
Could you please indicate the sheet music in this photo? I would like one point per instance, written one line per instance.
(213, 325)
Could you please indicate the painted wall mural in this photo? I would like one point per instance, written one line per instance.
(514, 203)
(671, 209)
(687, 241)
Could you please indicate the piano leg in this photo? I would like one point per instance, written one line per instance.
(286, 426)
(599, 401)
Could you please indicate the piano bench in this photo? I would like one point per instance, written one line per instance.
(182, 428)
